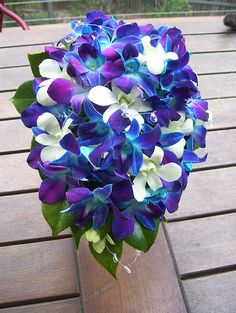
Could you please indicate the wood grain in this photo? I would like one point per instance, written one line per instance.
(13, 140)
(197, 61)
(221, 147)
(224, 112)
(64, 306)
(11, 78)
(215, 293)
(37, 35)
(14, 136)
(47, 33)
(18, 58)
(203, 243)
(37, 270)
(7, 108)
(217, 86)
(189, 25)
(210, 85)
(16, 175)
(22, 219)
(211, 42)
(208, 63)
(216, 184)
(152, 287)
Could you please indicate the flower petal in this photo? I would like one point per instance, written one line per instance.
(102, 96)
(52, 190)
(171, 56)
(62, 90)
(170, 171)
(78, 194)
(52, 153)
(157, 156)
(155, 64)
(153, 181)
(69, 143)
(49, 68)
(122, 224)
(110, 111)
(46, 140)
(43, 98)
(139, 187)
(100, 216)
(49, 123)
(177, 148)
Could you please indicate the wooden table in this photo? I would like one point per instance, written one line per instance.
(192, 266)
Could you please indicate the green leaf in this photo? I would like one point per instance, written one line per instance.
(24, 96)
(35, 59)
(106, 258)
(142, 238)
(77, 233)
(56, 220)
(33, 143)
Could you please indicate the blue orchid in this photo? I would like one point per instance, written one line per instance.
(89, 205)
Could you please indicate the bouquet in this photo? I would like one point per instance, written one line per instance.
(117, 119)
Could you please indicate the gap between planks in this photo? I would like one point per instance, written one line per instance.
(38, 301)
(208, 272)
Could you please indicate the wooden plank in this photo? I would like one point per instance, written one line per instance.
(102, 294)
(217, 62)
(53, 32)
(215, 293)
(43, 270)
(16, 175)
(9, 56)
(25, 178)
(211, 42)
(216, 183)
(14, 136)
(210, 85)
(42, 34)
(7, 108)
(11, 78)
(189, 25)
(204, 243)
(22, 219)
(224, 112)
(221, 147)
(217, 86)
(203, 63)
(64, 306)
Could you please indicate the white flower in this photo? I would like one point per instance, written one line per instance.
(48, 69)
(131, 104)
(154, 57)
(184, 126)
(151, 172)
(51, 140)
(98, 244)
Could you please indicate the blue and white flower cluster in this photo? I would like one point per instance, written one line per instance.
(117, 121)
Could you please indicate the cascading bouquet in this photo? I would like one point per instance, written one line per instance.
(117, 118)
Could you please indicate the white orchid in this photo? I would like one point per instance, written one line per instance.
(51, 139)
(131, 104)
(98, 244)
(49, 69)
(154, 57)
(184, 126)
(151, 173)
